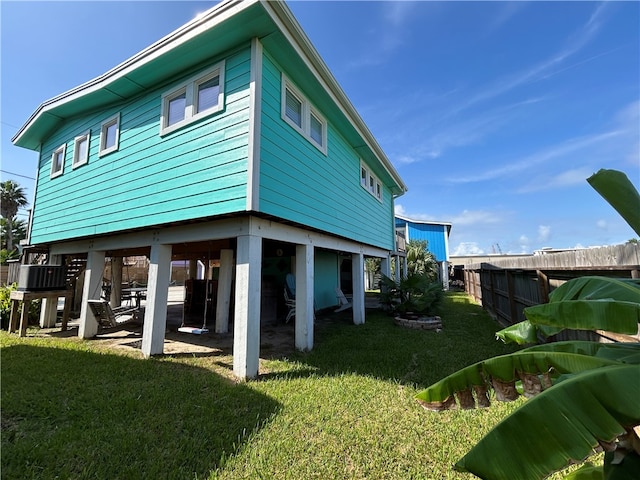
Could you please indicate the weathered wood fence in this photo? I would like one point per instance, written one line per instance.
(506, 287)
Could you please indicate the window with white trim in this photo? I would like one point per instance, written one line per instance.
(81, 149)
(370, 182)
(110, 135)
(298, 112)
(198, 97)
(57, 160)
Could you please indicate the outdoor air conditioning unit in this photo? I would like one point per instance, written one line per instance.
(42, 277)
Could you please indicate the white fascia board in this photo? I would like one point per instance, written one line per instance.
(290, 28)
(212, 17)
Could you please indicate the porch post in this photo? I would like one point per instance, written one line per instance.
(91, 291)
(116, 282)
(225, 279)
(357, 275)
(155, 315)
(49, 306)
(385, 266)
(304, 297)
(246, 328)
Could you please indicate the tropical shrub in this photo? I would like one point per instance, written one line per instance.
(415, 293)
(5, 306)
(584, 396)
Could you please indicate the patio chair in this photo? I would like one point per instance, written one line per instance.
(343, 301)
(108, 317)
(290, 296)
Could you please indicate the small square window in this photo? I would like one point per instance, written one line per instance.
(316, 130)
(370, 182)
(176, 108)
(363, 176)
(81, 149)
(110, 135)
(57, 161)
(293, 108)
(208, 92)
(197, 97)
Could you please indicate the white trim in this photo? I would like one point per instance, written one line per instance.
(218, 230)
(189, 88)
(371, 184)
(77, 162)
(62, 150)
(255, 121)
(104, 150)
(306, 110)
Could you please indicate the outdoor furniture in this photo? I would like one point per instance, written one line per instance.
(17, 296)
(343, 301)
(108, 317)
(290, 296)
(137, 294)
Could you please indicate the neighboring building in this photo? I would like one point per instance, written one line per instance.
(227, 140)
(437, 236)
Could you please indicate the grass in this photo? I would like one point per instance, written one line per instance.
(73, 409)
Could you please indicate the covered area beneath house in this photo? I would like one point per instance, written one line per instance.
(235, 275)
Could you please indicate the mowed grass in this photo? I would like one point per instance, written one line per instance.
(73, 409)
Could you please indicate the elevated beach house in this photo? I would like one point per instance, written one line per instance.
(228, 139)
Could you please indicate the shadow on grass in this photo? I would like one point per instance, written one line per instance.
(68, 412)
(381, 349)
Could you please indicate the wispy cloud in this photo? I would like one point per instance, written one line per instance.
(534, 160)
(538, 71)
(389, 37)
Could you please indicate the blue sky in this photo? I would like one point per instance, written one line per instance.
(494, 113)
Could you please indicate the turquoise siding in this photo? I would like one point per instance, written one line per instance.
(301, 184)
(197, 171)
(326, 279)
(435, 235)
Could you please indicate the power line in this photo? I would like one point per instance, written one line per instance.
(16, 174)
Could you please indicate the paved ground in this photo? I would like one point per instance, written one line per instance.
(276, 339)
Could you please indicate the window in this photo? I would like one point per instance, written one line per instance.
(370, 182)
(81, 149)
(110, 135)
(198, 97)
(298, 112)
(57, 160)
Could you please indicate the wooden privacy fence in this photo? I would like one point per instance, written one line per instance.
(506, 287)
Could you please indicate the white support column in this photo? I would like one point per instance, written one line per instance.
(385, 266)
(91, 291)
(225, 279)
(304, 297)
(116, 282)
(246, 328)
(155, 315)
(357, 269)
(49, 306)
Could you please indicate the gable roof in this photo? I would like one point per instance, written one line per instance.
(220, 28)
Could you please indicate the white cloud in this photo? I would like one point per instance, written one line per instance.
(602, 224)
(467, 248)
(544, 233)
(476, 217)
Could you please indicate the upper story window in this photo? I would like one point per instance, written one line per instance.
(110, 135)
(370, 182)
(298, 112)
(196, 98)
(57, 160)
(81, 149)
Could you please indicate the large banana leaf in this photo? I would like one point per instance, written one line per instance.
(535, 367)
(618, 190)
(562, 425)
(586, 303)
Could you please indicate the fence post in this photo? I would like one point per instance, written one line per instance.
(543, 282)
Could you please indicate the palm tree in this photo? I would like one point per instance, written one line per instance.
(420, 260)
(12, 198)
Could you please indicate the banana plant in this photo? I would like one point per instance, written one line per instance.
(583, 397)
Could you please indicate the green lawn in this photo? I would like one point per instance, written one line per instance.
(71, 409)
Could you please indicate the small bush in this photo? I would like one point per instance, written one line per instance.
(415, 293)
